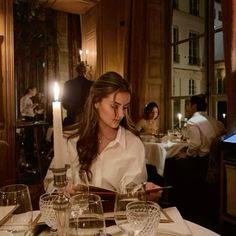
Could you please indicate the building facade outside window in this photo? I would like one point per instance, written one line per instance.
(189, 74)
(176, 56)
(191, 87)
(194, 7)
(193, 49)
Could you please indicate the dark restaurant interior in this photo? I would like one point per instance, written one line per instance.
(168, 50)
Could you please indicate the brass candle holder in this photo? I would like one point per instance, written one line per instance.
(61, 203)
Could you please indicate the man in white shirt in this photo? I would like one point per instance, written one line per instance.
(26, 104)
(201, 129)
(27, 112)
(187, 171)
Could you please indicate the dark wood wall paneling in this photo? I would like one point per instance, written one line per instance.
(7, 127)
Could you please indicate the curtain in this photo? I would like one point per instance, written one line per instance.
(229, 34)
(74, 42)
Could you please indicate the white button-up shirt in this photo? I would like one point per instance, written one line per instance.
(27, 106)
(201, 130)
(120, 163)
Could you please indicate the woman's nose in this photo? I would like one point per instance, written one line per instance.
(121, 113)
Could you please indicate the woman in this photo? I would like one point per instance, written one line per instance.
(105, 143)
(149, 124)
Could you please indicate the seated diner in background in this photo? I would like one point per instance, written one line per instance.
(187, 171)
(201, 129)
(105, 142)
(149, 124)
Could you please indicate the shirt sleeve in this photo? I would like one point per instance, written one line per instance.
(139, 125)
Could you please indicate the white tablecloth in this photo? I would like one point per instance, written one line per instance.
(156, 153)
(179, 227)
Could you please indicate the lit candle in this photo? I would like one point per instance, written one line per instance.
(57, 129)
(224, 115)
(86, 54)
(179, 117)
(80, 53)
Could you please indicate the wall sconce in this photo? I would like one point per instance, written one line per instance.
(83, 56)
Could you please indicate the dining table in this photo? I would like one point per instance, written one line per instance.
(158, 150)
(177, 226)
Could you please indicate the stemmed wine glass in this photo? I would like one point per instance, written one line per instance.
(137, 215)
(17, 197)
(80, 182)
(48, 213)
(86, 215)
(128, 194)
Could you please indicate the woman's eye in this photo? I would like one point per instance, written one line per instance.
(114, 106)
(125, 108)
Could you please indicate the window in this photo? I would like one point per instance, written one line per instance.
(219, 16)
(194, 7)
(176, 4)
(188, 77)
(191, 87)
(220, 81)
(176, 47)
(193, 49)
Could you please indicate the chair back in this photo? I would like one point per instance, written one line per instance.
(213, 172)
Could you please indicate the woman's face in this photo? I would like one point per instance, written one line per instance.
(111, 111)
(154, 113)
(33, 92)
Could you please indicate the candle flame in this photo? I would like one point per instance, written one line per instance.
(80, 52)
(86, 51)
(56, 91)
(179, 116)
(224, 115)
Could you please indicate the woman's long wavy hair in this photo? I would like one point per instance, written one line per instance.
(88, 127)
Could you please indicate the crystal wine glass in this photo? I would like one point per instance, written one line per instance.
(86, 215)
(153, 219)
(128, 194)
(17, 198)
(137, 215)
(48, 214)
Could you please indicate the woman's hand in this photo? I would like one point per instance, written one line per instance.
(69, 190)
(152, 196)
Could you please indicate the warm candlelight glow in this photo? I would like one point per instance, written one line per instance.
(57, 129)
(56, 91)
(179, 117)
(224, 115)
(80, 52)
(86, 51)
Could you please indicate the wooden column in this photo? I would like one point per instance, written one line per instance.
(7, 125)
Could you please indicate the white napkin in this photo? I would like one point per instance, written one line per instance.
(5, 212)
(177, 227)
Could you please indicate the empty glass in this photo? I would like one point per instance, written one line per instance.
(17, 198)
(137, 213)
(153, 219)
(128, 194)
(46, 208)
(86, 215)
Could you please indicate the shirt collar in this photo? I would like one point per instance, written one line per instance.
(120, 137)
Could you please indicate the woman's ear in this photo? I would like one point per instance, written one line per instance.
(96, 105)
